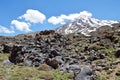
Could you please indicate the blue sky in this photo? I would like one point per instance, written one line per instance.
(23, 16)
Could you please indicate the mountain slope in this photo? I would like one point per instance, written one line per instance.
(84, 24)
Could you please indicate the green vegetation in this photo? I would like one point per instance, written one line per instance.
(100, 77)
(60, 76)
(15, 72)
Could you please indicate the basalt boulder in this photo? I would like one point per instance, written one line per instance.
(7, 47)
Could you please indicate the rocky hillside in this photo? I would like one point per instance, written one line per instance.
(94, 57)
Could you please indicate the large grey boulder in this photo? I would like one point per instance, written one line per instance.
(86, 73)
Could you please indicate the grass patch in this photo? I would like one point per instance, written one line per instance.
(15, 72)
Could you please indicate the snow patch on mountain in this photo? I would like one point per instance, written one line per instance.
(84, 24)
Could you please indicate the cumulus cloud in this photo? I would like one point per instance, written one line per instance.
(56, 20)
(34, 16)
(62, 18)
(21, 26)
(5, 30)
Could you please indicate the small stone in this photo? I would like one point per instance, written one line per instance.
(7, 63)
(28, 63)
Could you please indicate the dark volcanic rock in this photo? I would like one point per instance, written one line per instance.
(7, 47)
(117, 54)
(16, 54)
(52, 62)
(47, 47)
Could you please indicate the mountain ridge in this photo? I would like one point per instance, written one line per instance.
(84, 24)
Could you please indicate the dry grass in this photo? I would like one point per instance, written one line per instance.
(44, 67)
(15, 72)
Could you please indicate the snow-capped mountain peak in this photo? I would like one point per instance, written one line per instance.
(85, 24)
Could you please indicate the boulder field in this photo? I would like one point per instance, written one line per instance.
(72, 53)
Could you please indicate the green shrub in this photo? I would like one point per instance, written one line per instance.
(60, 75)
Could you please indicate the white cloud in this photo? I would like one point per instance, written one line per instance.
(21, 26)
(61, 19)
(5, 30)
(56, 20)
(34, 16)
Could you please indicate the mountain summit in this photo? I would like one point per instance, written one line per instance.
(84, 24)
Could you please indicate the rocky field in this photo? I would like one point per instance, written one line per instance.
(48, 55)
